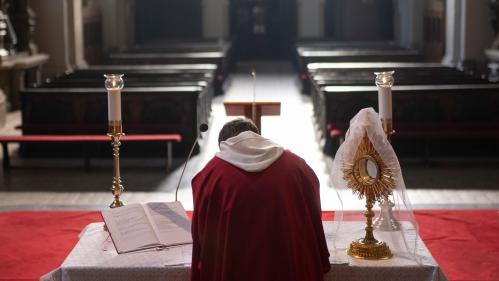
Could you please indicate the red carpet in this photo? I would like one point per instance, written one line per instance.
(464, 243)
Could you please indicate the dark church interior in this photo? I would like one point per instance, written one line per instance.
(185, 61)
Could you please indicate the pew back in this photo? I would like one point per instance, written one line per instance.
(148, 110)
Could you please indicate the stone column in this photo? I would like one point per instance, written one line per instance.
(454, 27)
(408, 22)
(310, 18)
(4, 30)
(118, 24)
(59, 33)
(467, 31)
(52, 32)
(215, 19)
(75, 34)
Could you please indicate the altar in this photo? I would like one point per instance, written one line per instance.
(95, 258)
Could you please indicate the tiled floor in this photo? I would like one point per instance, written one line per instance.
(63, 184)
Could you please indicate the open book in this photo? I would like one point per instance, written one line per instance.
(141, 226)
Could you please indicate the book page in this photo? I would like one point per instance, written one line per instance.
(130, 228)
(170, 222)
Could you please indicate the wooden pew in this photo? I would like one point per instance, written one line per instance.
(324, 74)
(423, 115)
(146, 110)
(359, 74)
(184, 45)
(206, 72)
(211, 57)
(219, 55)
(311, 52)
(155, 76)
(195, 47)
(170, 75)
(359, 55)
(158, 69)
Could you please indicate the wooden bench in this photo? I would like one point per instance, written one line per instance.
(216, 58)
(311, 52)
(219, 53)
(5, 140)
(82, 111)
(425, 133)
(183, 46)
(358, 74)
(422, 112)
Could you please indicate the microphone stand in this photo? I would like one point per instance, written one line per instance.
(253, 107)
(202, 128)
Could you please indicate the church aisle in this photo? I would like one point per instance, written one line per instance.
(293, 129)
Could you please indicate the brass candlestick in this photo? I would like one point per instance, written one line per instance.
(117, 188)
(385, 220)
(114, 84)
(385, 81)
(373, 186)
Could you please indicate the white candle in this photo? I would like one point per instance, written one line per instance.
(114, 84)
(114, 105)
(385, 102)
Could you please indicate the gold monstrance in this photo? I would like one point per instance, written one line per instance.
(369, 177)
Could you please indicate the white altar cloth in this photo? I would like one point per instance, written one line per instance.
(95, 258)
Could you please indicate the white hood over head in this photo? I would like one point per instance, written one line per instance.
(249, 151)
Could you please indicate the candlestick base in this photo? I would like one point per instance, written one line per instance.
(117, 203)
(385, 221)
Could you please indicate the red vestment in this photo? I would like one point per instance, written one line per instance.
(258, 226)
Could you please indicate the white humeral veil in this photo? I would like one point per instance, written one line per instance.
(402, 243)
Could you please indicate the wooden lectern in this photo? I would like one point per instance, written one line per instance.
(246, 109)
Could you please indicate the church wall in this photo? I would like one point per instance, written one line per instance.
(118, 24)
(216, 19)
(407, 21)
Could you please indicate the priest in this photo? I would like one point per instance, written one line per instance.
(257, 213)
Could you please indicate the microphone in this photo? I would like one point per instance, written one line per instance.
(202, 128)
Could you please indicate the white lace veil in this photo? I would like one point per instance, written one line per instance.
(403, 243)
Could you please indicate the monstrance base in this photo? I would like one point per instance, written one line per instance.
(369, 251)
